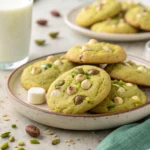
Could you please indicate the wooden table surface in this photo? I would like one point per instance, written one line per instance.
(67, 38)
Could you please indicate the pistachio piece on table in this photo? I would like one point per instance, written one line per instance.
(34, 141)
(80, 77)
(118, 100)
(32, 130)
(55, 92)
(58, 63)
(35, 70)
(40, 42)
(55, 13)
(92, 41)
(56, 141)
(4, 146)
(21, 143)
(93, 72)
(13, 126)
(60, 83)
(20, 148)
(79, 99)
(42, 22)
(78, 71)
(71, 90)
(11, 139)
(5, 134)
(46, 66)
(86, 84)
(50, 58)
(53, 34)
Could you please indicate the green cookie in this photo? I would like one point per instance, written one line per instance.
(95, 52)
(130, 72)
(122, 96)
(114, 25)
(44, 72)
(78, 90)
(97, 11)
(139, 17)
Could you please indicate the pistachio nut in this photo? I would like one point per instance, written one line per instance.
(60, 83)
(46, 66)
(40, 42)
(32, 130)
(79, 99)
(4, 146)
(34, 141)
(93, 72)
(11, 139)
(78, 71)
(53, 34)
(56, 141)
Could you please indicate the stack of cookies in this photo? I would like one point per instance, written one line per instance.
(111, 16)
(76, 84)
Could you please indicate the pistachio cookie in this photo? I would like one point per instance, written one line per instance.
(95, 52)
(126, 5)
(44, 72)
(114, 25)
(130, 72)
(98, 11)
(122, 96)
(78, 90)
(139, 17)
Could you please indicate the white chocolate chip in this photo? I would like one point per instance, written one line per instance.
(71, 90)
(129, 84)
(58, 63)
(55, 92)
(118, 100)
(142, 69)
(85, 48)
(138, 16)
(36, 95)
(92, 41)
(86, 84)
(35, 70)
(121, 90)
(104, 2)
(80, 77)
(106, 48)
(135, 97)
(50, 58)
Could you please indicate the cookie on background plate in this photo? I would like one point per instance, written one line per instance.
(78, 90)
(95, 52)
(130, 72)
(98, 11)
(139, 17)
(122, 96)
(114, 25)
(44, 72)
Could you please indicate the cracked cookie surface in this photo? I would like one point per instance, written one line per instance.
(95, 52)
(130, 72)
(122, 96)
(44, 72)
(78, 90)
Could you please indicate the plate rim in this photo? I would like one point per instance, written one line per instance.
(83, 30)
(14, 97)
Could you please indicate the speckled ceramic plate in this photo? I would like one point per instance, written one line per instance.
(41, 113)
(70, 21)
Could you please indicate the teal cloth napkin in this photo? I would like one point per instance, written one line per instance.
(134, 136)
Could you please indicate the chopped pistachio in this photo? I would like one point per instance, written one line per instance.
(5, 134)
(13, 126)
(40, 42)
(4, 145)
(53, 34)
(34, 141)
(56, 141)
(46, 66)
(11, 139)
(21, 143)
(20, 148)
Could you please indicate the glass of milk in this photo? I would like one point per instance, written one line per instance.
(15, 32)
